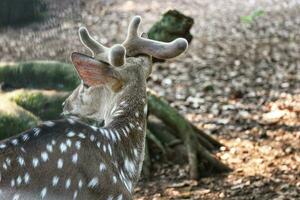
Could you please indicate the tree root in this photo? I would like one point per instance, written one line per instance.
(198, 144)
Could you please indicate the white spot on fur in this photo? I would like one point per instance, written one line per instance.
(71, 134)
(69, 142)
(102, 167)
(123, 103)
(63, 147)
(4, 166)
(78, 145)
(75, 158)
(104, 148)
(126, 182)
(55, 180)
(92, 138)
(106, 133)
(36, 131)
(19, 180)
(101, 131)
(137, 114)
(112, 136)
(26, 178)
(2, 146)
(94, 128)
(8, 161)
(44, 156)
(35, 162)
(127, 129)
(118, 113)
(71, 121)
(118, 135)
(124, 131)
(81, 135)
(49, 148)
(113, 109)
(75, 194)
(109, 198)
(114, 178)
(22, 149)
(16, 197)
(43, 192)
(109, 149)
(80, 184)
(135, 152)
(131, 125)
(25, 137)
(12, 183)
(120, 197)
(60, 163)
(93, 183)
(129, 166)
(21, 161)
(68, 183)
(14, 142)
(49, 123)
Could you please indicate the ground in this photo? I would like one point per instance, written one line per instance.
(239, 81)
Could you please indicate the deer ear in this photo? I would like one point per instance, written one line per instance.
(94, 72)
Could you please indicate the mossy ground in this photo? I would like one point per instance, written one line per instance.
(14, 119)
(47, 105)
(46, 84)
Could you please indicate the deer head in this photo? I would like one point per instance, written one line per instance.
(68, 159)
(105, 80)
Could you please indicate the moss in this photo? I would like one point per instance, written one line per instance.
(14, 119)
(47, 105)
(39, 74)
(172, 25)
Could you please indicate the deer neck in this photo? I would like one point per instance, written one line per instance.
(127, 117)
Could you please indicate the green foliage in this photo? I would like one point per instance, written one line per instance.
(16, 12)
(46, 75)
(248, 19)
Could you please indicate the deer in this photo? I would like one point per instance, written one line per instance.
(71, 159)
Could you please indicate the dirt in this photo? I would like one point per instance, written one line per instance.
(239, 81)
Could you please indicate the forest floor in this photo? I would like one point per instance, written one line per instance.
(239, 82)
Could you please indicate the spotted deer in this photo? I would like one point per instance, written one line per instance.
(70, 159)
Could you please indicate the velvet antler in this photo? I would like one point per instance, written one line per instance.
(115, 55)
(135, 44)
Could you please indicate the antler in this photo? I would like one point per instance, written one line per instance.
(115, 55)
(135, 44)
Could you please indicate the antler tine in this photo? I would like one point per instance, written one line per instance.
(94, 46)
(115, 55)
(135, 44)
